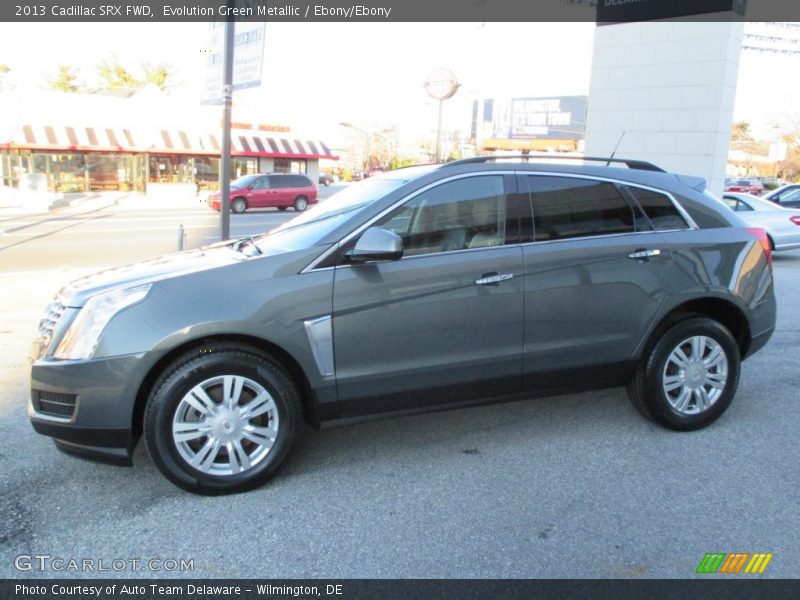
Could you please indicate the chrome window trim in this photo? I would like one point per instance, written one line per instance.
(595, 237)
(681, 211)
(397, 204)
(429, 254)
(691, 225)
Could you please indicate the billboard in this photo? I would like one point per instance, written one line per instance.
(547, 117)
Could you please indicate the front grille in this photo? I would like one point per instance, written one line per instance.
(53, 403)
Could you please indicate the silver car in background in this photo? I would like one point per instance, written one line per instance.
(781, 224)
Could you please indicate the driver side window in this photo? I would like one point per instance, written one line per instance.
(457, 215)
(261, 183)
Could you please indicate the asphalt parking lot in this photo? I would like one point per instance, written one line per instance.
(566, 487)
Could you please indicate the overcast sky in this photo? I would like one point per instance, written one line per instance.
(370, 74)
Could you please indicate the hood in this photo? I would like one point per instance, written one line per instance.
(76, 293)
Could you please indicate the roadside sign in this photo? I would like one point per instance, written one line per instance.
(248, 57)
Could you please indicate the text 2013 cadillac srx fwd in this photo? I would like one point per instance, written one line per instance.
(422, 288)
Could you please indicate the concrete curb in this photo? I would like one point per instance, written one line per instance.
(121, 200)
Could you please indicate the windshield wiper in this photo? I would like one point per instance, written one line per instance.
(239, 245)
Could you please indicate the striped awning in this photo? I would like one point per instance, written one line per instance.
(162, 141)
(175, 141)
(52, 137)
(250, 144)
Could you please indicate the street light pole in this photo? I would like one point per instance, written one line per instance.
(366, 140)
(437, 153)
(441, 85)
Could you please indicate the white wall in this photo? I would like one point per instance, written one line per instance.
(670, 86)
(266, 164)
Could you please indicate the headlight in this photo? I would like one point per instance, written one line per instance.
(80, 340)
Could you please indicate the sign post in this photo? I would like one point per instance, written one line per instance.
(225, 158)
(235, 62)
(441, 85)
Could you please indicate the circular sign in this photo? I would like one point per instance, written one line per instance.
(441, 84)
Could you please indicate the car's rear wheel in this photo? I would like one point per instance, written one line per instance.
(688, 376)
(239, 205)
(300, 203)
(222, 421)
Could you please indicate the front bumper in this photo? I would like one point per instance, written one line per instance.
(95, 416)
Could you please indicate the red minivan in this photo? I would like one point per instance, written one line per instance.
(280, 190)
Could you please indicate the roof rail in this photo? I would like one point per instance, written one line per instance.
(631, 164)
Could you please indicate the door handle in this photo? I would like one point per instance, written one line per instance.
(493, 279)
(644, 254)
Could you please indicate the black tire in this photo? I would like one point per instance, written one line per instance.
(239, 205)
(705, 403)
(232, 440)
(282, 208)
(300, 203)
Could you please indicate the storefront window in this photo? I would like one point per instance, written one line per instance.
(287, 165)
(16, 165)
(109, 171)
(243, 166)
(172, 168)
(66, 173)
(206, 173)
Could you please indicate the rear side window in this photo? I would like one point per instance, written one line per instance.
(289, 181)
(736, 205)
(564, 207)
(297, 181)
(659, 209)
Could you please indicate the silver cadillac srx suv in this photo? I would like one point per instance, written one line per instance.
(423, 288)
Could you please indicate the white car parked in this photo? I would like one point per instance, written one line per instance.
(781, 224)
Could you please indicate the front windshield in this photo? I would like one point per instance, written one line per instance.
(242, 182)
(310, 227)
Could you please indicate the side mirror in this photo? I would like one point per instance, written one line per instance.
(376, 243)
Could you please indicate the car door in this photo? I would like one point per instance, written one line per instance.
(258, 193)
(283, 190)
(443, 324)
(596, 275)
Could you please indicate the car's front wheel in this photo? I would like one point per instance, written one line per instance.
(688, 377)
(239, 205)
(222, 421)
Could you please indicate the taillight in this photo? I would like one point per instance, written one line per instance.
(795, 219)
(763, 239)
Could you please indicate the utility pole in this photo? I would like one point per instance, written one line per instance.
(225, 162)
